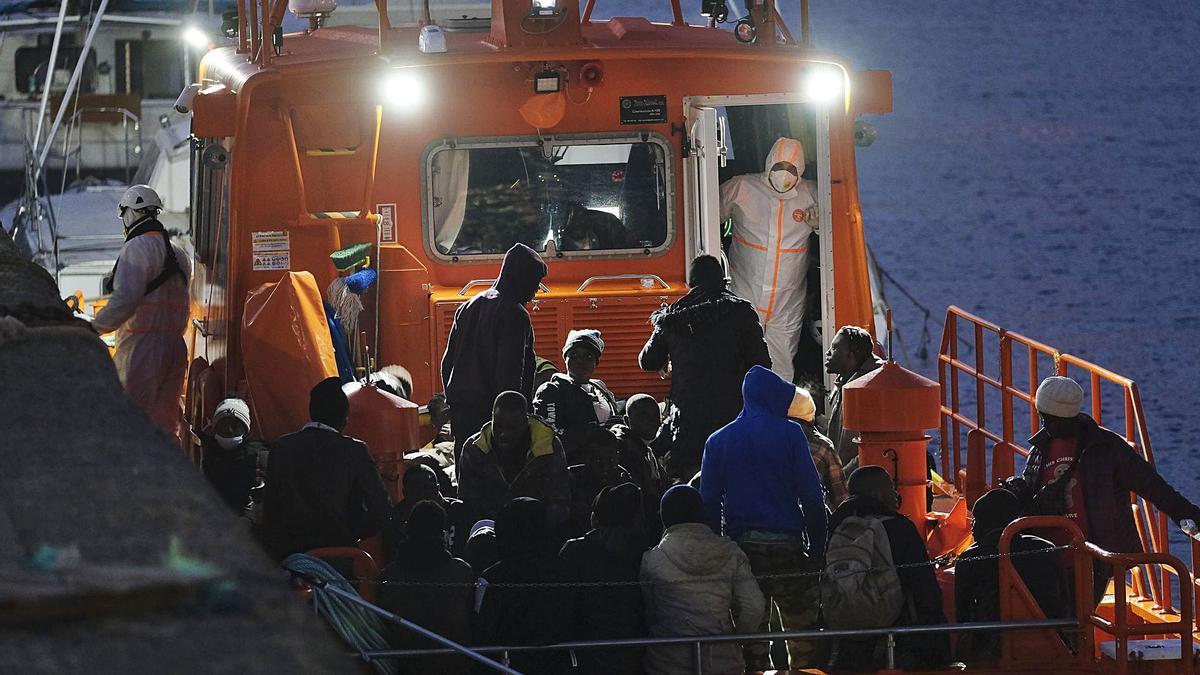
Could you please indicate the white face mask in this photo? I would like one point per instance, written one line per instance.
(229, 443)
(782, 181)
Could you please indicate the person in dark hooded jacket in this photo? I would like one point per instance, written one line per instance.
(762, 490)
(610, 552)
(490, 347)
(423, 560)
(711, 338)
(524, 615)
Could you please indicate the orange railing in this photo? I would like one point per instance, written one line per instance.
(1000, 364)
(1119, 628)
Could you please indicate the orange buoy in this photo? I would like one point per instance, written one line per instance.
(889, 410)
(390, 427)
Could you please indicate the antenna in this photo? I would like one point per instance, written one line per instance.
(891, 327)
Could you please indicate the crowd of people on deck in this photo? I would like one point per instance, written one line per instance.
(569, 514)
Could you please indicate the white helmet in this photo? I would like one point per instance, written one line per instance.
(140, 197)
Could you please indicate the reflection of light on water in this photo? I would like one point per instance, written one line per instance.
(614, 210)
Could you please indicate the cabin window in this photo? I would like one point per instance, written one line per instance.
(150, 68)
(571, 196)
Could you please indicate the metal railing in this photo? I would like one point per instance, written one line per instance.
(698, 642)
(992, 372)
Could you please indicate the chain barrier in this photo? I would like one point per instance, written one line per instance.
(699, 580)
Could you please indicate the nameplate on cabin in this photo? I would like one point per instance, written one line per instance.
(643, 109)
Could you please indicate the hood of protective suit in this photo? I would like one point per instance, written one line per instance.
(766, 394)
(693, 548)
(790, 151)
(522, 271)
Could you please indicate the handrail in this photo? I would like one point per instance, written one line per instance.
(1011, 580)
(698, 640)
(1119, 627)
(478, 282)
(1085, 554)
(992, 378)
(453, 647)
(614, 277)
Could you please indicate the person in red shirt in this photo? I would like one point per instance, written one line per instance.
(1079, 469)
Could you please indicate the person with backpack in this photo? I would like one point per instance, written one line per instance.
(149, 310)
(762, 490)
(878, 574)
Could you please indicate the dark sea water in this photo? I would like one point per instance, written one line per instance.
(1042, 170)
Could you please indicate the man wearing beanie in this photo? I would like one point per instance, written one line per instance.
(709, 339)
(696, 582)
(229, 457)
(323, 488)
(610, 552)
(977, 575)
(1079, 469)
(490, 347)
(574, 401)
(803, 411)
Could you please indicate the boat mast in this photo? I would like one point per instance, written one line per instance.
(75, 75)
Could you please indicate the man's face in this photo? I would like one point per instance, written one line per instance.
(229, 427)
(644, 420)
(840, 359)
(508, 428)
(581, 363)
(604, 458)
(1060, 427)
(424, 487)
(888, 496)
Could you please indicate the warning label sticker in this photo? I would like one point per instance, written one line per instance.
(387, 223)
(270, 251)
(265, 262)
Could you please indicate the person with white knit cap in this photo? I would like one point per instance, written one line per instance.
(803, 411)
(572, 401)
(1078, 469)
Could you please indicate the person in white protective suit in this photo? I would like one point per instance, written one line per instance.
(149, 310)
(773, 214)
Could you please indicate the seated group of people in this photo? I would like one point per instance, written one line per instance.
(565, 524)
(643, 558)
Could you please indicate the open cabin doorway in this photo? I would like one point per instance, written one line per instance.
(731, 136)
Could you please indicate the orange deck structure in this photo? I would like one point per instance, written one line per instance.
(355, 135)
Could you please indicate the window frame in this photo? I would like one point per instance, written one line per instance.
(602, 138)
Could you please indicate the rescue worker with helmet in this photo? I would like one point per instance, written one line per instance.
(148, 308)
(773, 214)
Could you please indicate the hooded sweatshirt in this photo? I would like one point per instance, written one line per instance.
(698, 583)
(490, 348)
(757, 472)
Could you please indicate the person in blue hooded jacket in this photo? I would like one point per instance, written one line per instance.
(762, 490)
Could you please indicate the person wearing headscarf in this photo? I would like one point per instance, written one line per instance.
(574, 401)
(610, 552)
(696, 582)
(524, 614)
(774, 214)
(707, 340)
(423, 559)
(490, 346)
